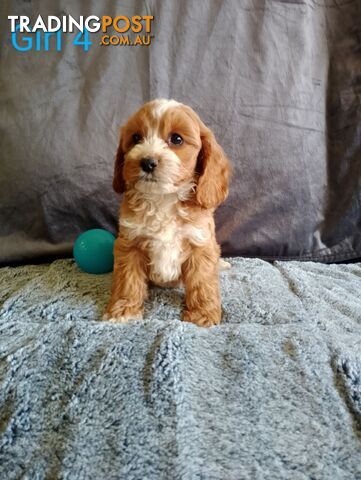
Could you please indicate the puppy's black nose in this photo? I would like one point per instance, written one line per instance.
(148, 164)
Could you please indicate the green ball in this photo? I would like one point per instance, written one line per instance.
(93, 251)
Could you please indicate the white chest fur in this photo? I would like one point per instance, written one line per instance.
(165, 253)
(162, 223)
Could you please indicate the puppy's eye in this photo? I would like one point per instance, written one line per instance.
(136, 138)
(175, 139)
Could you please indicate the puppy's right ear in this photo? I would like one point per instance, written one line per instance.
(118, 179)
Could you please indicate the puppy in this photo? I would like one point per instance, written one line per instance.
(173, 175)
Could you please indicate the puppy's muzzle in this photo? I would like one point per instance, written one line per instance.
(148, 164)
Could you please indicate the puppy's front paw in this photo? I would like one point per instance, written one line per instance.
(202, 318)
(121, 318)
(120, 313)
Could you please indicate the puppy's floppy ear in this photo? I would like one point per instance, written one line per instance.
(214, 170)
(118, 179)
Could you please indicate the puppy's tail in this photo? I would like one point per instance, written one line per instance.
(223, 265)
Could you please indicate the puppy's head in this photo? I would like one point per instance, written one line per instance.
(166, 148)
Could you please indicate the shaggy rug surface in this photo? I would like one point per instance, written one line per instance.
(274, 392)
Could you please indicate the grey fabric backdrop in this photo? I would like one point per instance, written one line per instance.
(279, 82)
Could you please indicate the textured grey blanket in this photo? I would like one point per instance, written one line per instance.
(274, 392)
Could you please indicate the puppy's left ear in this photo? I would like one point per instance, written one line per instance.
(118, 179)
(214, 169)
